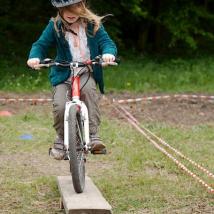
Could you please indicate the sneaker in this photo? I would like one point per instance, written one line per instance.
(58, 151)
(96, 143)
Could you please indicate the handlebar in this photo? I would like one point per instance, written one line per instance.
(96, 61)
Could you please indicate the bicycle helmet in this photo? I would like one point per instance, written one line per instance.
(64, 3)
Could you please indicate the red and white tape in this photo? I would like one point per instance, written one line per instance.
(15, 100)
(164, 97)
(120, 101)
(133, 121)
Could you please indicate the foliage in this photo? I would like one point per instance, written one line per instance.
(187, 22)
(145, 25)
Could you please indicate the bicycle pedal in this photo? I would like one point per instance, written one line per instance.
(66, 157)
(49, 151)
(99, 152)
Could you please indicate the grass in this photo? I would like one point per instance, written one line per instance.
(144, 179)
(17, 77)
(139, 74)
(37, 196)
(134, 177)
(166, 75)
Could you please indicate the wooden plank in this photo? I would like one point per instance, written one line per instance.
(90, 201)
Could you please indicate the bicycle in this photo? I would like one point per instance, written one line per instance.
(76, 121)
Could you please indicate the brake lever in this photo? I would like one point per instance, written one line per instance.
(46, 61)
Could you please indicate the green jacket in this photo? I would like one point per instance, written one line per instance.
(98, 45)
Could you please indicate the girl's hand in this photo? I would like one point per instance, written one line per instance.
(33, 63)
(108, 58)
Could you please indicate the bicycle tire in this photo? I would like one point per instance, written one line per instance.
(76, 149)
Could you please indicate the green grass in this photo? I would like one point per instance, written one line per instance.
(143, 178)
(17, 77)
(30, 122)
(37, 196)
(134, 177)
(162, 75)
(139, 74)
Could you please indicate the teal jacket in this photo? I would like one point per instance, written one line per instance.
(98, 44)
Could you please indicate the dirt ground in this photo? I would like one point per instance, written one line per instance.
(179, 112)
(176, 112)
(173, 111)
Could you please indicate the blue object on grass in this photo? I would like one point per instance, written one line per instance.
(26, 137)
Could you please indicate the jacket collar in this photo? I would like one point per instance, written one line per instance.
(90, 27)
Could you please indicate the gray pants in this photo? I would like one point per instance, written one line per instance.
(88, 94)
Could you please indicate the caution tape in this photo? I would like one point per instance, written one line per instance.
(164, 97)
(15, 100)
(119, 101)
(133, 121)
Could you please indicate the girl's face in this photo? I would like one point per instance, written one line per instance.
(70, 13)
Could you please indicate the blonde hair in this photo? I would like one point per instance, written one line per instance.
(84, 13)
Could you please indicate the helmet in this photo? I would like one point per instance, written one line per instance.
(64, 3)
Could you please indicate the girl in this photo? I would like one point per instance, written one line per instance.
(78, 35)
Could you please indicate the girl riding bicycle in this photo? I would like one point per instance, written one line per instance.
(78, 35)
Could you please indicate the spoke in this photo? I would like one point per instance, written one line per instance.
(79, 131)
(80, 152)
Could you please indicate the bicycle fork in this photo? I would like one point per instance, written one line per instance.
(82, 110)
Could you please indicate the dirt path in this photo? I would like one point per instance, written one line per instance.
(176, 112)
(181, 112)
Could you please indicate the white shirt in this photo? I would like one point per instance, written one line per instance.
(78, 44)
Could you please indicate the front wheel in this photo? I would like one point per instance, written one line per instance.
(76, 149)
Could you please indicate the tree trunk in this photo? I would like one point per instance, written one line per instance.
(142, 39)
